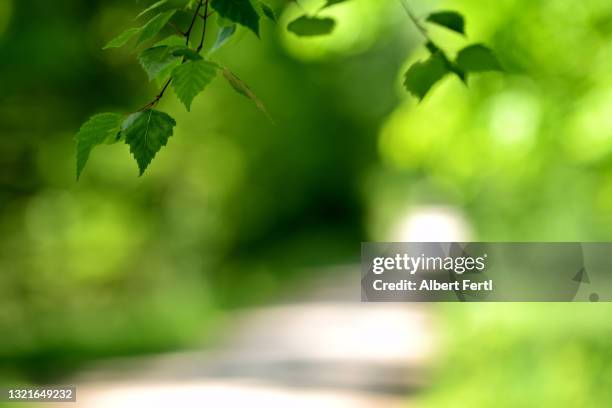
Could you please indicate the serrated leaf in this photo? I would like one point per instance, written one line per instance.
(156, 59)
(97, 130)
(423, 75)
(151, 8)
(154, 26)
(146, 133)
(238, 11)
(173, 42)
(449, 19)
(478, 58)
(239, 86)
(306, 26)
(122, 38)
(330, 3)
(224, 34)
(189, 79)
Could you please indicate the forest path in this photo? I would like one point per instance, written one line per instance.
(326, 349)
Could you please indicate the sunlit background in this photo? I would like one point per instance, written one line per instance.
(237, 219)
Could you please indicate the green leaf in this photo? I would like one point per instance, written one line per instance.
(449, 19)
(423, 75)
(172, 41)
(306, 26)
(97, 130)
(160, 60)
(189, 79)
(122, 38)
(224, 34)
(151, 8)
(239, 11)
(187, 53)
(267, 11)
(244, 90)
(146, 133)
(156, 59)
(478, 58)
(128, 122)
(154, 26)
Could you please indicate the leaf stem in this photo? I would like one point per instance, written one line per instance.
(158, 97)
(415, 19)
(193, 20)
(204, 27)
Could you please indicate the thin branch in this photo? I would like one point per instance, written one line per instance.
(157, 98)
(415, 20)
(193, 20)
(204, 27)
(163, 91)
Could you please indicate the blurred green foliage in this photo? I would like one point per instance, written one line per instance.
(501, 355)
(525, 155)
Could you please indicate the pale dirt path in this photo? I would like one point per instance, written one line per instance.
(328, 350)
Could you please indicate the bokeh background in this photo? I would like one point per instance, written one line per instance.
(237, 210)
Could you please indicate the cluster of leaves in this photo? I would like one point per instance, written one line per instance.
(474, 58)
(179, 60)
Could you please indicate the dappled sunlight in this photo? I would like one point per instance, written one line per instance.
(431, 224)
